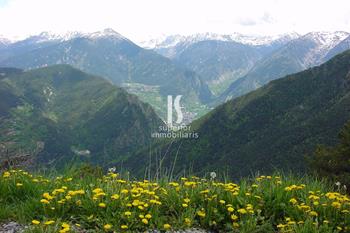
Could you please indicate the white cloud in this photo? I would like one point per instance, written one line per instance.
(139, 19)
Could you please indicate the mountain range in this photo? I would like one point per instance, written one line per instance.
(231, 72)
(108, 54)
(173, 41)
(206, 69)
(299, 54)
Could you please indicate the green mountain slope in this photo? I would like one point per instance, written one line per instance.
(272, 127)
(59, 112)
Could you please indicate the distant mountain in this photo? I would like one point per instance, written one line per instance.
(109, 54)
(59, 113)
(173, 45)
(4, 43)
(31, 43)
(297, 55)
(339, 48)
(271, 128)
(218, 59)
(219, 63)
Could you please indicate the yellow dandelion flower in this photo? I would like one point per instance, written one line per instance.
(44, 201)
(336, 204)
(127, 213)
(166, 226)
(107, 227)
(242, 211)
(293, 201)
(97, 190)
(102, 205)
(124, 191)
(35, 222)
(201, 213)
(65, 225)
(49, 222)
(6, 174)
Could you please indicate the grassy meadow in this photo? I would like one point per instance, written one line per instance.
(93, 202)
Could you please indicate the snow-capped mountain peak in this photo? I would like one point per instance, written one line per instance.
(329, 39)
(323, 43)
(174, 40)
(106, 33)
(50, 36)
(262, 40)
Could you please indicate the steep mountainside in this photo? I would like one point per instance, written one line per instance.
(272, 127)
(299, 54)
(60, 113)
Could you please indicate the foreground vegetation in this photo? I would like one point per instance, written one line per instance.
(88, 201)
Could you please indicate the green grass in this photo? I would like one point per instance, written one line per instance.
(87, 199)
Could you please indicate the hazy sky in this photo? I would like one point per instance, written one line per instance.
(142, 19)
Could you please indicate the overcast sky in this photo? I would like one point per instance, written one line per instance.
(143, 19)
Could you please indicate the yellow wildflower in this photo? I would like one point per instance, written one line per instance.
(102, 205)
(107, 227)
(201, 213)
(36, 222)
(49, 222)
